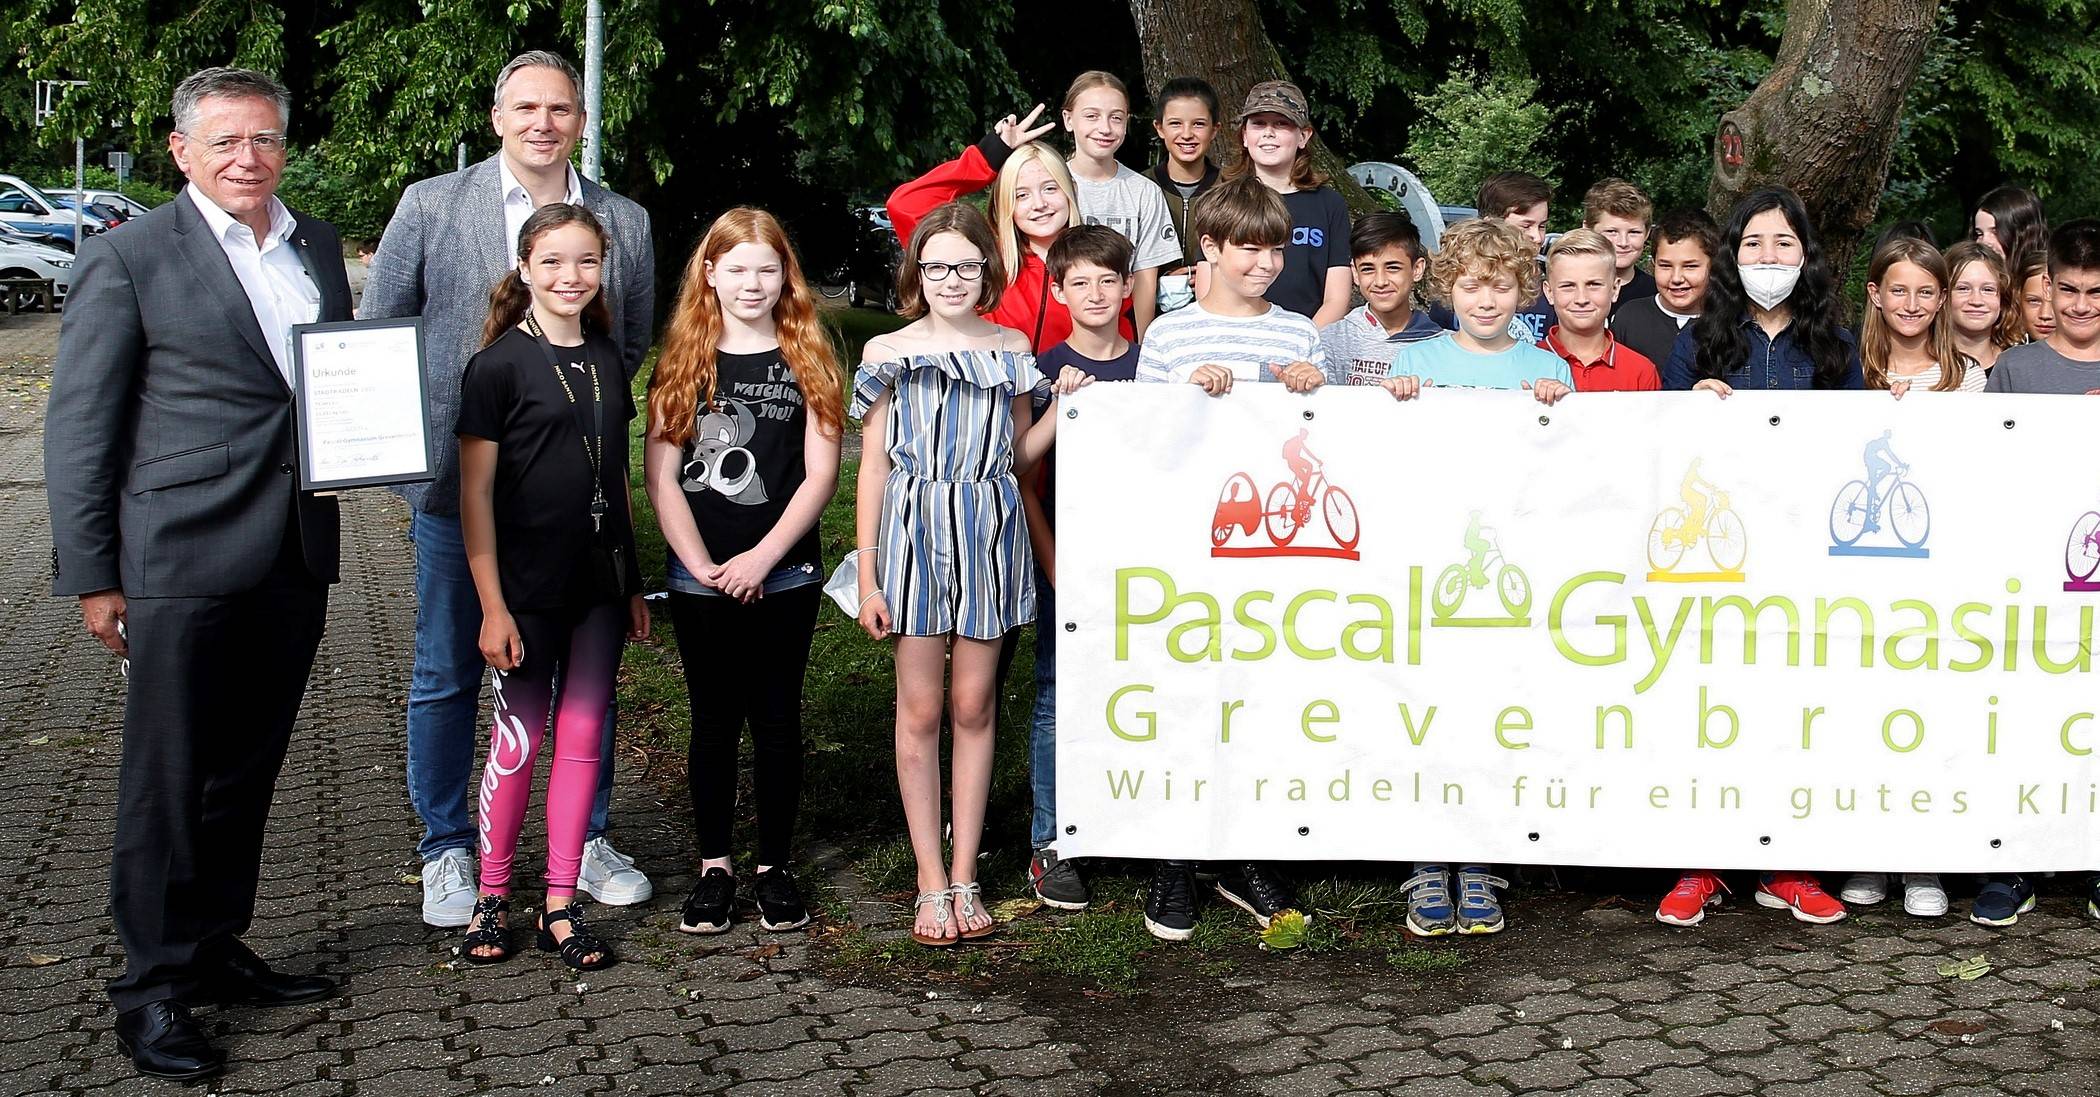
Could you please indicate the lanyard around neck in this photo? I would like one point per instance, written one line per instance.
(594, 439)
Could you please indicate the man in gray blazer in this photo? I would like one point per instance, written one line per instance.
(177, 519)
(451, 239)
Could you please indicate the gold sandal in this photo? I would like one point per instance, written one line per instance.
(941, 916)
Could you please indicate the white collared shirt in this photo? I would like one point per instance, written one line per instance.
(278, 287)
(518, 205)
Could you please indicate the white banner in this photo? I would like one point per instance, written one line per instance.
(1642, 630)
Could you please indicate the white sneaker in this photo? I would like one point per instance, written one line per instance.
(1923, 896)
(448, 889)
(610, 877)
(1865, 888)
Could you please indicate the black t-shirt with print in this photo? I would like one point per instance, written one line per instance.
(744, 461)
(511, 396)
(1319, 243)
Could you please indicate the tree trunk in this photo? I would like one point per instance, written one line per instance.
(1224, 42)
(1823, 121)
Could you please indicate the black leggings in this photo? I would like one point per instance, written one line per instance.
(746, 663)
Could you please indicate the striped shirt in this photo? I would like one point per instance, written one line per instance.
(1182, 340)
(1972, 379)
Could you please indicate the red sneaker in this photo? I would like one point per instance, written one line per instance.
(1686, 903)
(1800, 893)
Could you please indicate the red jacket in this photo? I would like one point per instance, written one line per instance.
(1027, 306)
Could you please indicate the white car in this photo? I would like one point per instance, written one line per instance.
(130, 207)
(24, 260)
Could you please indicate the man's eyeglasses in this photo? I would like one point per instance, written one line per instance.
(266, 144)
(969, 271)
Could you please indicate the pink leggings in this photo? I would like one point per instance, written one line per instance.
(566, 679)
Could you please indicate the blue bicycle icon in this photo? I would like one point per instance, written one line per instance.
(1857, 512)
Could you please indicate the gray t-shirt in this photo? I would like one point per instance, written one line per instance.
(1134, 206)
(2039, 367)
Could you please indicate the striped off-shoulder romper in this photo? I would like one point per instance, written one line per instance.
(953, 552)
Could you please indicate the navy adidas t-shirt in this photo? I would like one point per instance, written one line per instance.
(1319, 243)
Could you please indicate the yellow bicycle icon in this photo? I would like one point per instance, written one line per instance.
(1672, 534)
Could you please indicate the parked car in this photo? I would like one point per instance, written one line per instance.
(13, 235)
(117, 200)
(20, 259)
(96, 212)
(873, 265)
(24, 206)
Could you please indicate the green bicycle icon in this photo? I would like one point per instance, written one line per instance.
(1484, 564)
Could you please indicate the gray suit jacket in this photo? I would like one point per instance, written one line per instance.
(169, 441)
(442, 253)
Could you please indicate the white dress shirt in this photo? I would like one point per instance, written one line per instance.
(518, 204)
(278, 287)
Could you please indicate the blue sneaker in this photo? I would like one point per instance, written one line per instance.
(2002, 901)
(1429, 912)
(1479, 907)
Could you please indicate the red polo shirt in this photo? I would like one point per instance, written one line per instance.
(1621, 369)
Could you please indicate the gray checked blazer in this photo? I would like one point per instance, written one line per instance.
(442, 253)
(169, 442)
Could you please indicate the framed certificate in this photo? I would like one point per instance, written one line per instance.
(362, 403)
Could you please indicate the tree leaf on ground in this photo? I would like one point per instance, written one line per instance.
(1957, 1028)
(1975, 967)
(43, 959)
(1014, 908)
(1286, 930)
(766, 951)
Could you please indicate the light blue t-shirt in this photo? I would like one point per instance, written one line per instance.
(1443, 361)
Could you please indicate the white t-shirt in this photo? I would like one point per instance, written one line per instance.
(1972, 379)
(1186, 338)
(1134, 206)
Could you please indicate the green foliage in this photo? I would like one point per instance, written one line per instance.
(1473, 128)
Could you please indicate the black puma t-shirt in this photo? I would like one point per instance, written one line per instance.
(744, 461)
(510, 396)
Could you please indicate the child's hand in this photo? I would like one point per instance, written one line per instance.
(1213, 379)
(1898, 388)
(1716, 386)
(1071, 379)
(1548, 390)
(875, 616)
(1298, 376)
(637, 618)
(501, 646)
(742, 577)
(1017, 133)
(1404, 388)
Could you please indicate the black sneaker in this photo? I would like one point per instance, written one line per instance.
(2092, 902)
(1170, 901)
(1057, 883)
(779, 901)
(1254, 889)
(711, 908)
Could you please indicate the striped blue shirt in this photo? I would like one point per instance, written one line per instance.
(1177, 343)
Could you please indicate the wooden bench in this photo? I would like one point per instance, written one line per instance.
(28, 295)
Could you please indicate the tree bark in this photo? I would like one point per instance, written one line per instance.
(1823, 121)
(1224, 42)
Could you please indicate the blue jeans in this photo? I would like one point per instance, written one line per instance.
(1042, 732)
(444, 693)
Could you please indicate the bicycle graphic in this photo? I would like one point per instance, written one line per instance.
(2082, 553)
(1885, 495)
(1706, 516)
(1484, 566)
(1286, 510)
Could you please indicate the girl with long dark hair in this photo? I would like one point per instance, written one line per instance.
(1771, 318)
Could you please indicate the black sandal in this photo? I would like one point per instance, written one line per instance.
(490, 933)
(580, 943)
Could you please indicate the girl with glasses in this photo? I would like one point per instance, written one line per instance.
(947, 568)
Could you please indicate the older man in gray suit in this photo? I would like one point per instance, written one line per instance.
(452, 238)
(177, 520)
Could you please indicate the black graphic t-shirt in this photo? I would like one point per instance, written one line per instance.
(511, 396)
(744, 461)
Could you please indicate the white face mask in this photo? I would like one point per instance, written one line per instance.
(1769, 283)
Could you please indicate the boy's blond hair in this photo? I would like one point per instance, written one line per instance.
(1485, 247)
(1616, 198)
(1579, 243)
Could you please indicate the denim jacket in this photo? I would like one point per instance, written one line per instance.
(1772, 364)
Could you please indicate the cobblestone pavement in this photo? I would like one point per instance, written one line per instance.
(1581, 997)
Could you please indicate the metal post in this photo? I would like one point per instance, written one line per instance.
(79, 188)
(593, 87)
(462, 156)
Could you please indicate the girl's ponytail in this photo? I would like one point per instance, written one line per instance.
(508, 300)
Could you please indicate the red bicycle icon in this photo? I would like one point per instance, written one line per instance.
(1288, 506)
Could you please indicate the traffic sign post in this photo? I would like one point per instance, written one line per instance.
(48, 95)
(120, 162)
